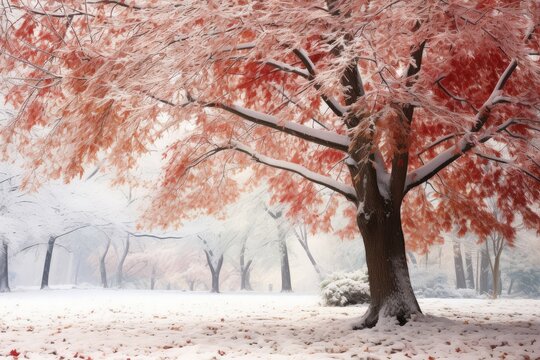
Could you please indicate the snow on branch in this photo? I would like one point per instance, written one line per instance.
(332, 103)
(507, 162)
(439, 162)
(322, 137)
(332, 184)
(287, 68)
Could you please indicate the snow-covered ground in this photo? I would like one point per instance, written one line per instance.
(122, 324)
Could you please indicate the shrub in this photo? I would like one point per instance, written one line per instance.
(343, 289)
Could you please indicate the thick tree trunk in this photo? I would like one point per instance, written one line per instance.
(191, 284)
(458, 265)
(102, 267)
(215, 270)
(469, 270)
(389, 283)
(286, 284)
(47, 264)
(4, 271)
(120, 269)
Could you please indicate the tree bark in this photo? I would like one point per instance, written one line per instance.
(470, 270)
(120, 269)
(458, 265)
(379, 221)
(102, 267)
(4, 271)
(47, 264)
(286, 284)
(214, 270)
(389, 283)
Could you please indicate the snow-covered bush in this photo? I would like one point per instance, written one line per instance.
(433, 284)
(342, 289)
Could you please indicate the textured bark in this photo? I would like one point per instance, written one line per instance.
(102, 267)
(120, 269)
(215, 270)
(47, 264)
(389, 283)
(458, 265)
(4, 270)
(469, 270)
(379, 221)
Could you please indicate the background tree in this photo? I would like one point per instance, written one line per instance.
(375, 100)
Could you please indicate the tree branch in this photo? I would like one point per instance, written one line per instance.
(345, 190)
(322, 137)
(439, 162)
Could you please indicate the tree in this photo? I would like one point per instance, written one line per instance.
(458, 265)
(214, 247)
(301, 234)
(385, 103)
(283, 230)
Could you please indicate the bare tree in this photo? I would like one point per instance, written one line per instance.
(300, 232)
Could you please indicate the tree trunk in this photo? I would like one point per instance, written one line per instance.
(191, 284)
(153, 278)
(4, 273)
(301, 236)
(470, 270)
(102, 267)
(496, 277)
(458, 264)
(286, 284)
(245, 269)
(483, 284)
(412, 258)
(379, 220)
(389, 283)
(47, 264)
(120, 269)
(510, 286)
(214, 270)
(244, 277)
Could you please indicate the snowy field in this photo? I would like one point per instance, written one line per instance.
(113, 324)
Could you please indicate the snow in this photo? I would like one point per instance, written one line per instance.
(135, 324)
(323, 136)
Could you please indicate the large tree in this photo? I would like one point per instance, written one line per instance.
(388, 103)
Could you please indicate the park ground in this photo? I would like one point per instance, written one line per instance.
(133, 324)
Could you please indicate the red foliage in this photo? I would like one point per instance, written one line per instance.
(98, 81)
